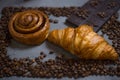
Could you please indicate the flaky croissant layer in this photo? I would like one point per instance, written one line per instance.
(83, 42)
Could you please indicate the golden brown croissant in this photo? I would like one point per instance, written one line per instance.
(29, 27)
(83, 42)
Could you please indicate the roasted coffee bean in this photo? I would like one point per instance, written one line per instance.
(41, 53)
(41, 57)
(51, 20)
(101, 14)
(83, 13)
(55, 21)
(59, 56)
(51, 52)
(94, 3)
(112, 5)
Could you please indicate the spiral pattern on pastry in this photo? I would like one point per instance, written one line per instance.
(29, 27)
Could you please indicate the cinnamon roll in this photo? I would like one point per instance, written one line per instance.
(29, 27)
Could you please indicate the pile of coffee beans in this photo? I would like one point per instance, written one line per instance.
(60, 66)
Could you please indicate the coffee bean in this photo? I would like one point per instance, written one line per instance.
(55, 21)
(59, 56)
(101, 14)
(94, 3)
(51, 52)
(41, 53)
(51, 20)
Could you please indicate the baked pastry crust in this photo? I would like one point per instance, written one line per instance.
(29, 27)
(83, 42)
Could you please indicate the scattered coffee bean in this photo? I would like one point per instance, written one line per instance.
(41, 53)
(51, 20)
(102, 14)
(94, 3)
(111, 5)
(51, 52)
(55, 21)
(60, 56)
(83, 13)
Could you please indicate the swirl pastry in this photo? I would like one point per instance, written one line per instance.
(29, 27)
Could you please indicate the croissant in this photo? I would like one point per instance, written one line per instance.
(83, 42)
(29, 27)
